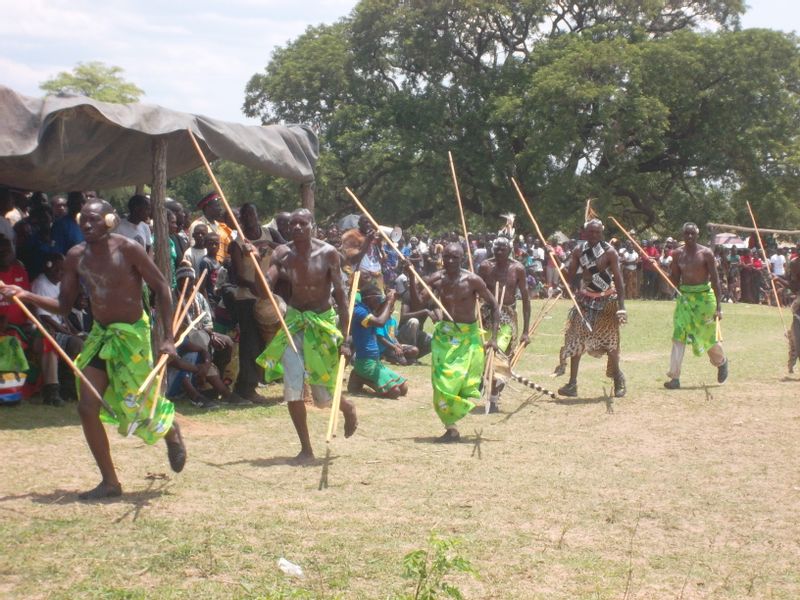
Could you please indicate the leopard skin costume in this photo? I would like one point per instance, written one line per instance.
(604, 337)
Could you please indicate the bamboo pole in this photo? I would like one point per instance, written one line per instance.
(664, 276)
(333, 420)
(552, 258)
(179, 303)
(185, 308)
(489, 370)
(238, 227)
(769, 269)
(394, 247)
(64, 356)
(466, 231)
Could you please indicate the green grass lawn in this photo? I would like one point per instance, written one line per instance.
(686, 494)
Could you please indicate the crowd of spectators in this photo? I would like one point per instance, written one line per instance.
(234, 323)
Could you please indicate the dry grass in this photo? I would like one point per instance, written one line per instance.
(679, 495)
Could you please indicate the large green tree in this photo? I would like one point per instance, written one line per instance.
(95, 80)
(622, 101)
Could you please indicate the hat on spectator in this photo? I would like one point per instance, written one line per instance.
(207, 199)
(184, 271)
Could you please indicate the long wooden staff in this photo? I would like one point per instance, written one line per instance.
(182, 310)
(769, 269)
(466, 232)
(664, 276)
(547, 306)
(394, 247)
(179, 303)
(238, 227)
(488, 374)
(333, 420)
(556, 266)
(64, 356)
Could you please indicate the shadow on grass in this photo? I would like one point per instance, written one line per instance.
(27, 416)
(275, 461)
(578, 401)
(136, 499)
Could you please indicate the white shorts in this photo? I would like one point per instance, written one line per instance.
(294, 373)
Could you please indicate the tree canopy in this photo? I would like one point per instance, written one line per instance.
(95, 80)
(626, 102)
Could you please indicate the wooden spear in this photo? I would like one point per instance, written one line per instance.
(556, 266)
(179, 303)
(337, 390)
(547, 306)
(466, 232)
(664, 276)
(238, 227)
(64, 356)
(394, 247)
(769, 269)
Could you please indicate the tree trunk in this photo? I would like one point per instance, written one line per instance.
(307, 196)
(160, 226)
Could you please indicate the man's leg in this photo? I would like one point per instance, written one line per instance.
(322, 397)
(717, 357)
(293, 376)
(675, 362)
(571, 389)
(95, 434)
(616, 373)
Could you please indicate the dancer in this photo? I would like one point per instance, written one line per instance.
(457, 348)
(694, 272)
(602, 300)
(313, 268)
(509, 274)
(116, 357)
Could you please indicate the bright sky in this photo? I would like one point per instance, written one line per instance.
(191, 56)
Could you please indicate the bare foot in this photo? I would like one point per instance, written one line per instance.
(306, 457)
(103, 490)
(176, 449)
(350, 419)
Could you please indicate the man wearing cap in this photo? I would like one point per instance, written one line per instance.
(212, 214)
(694, 273)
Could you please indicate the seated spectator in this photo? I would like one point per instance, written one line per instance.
(48, 284)
(410, 329)
(393, 351)
(371, 312)
(13, 322)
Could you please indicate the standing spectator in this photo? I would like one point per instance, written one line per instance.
(135, 226)
(180, 237)
(480, 253)
(210, 263)
(778, 262)
(630, 271)
(6, 204)
(213, 213)
(66, 232)
(362, 252)
(38, 243)
(734, 275)
(649, 273)
(257, 324)
(194, 255)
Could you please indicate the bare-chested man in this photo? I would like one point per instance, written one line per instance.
(509, 274)
(602, 300)
(313, 268)
(697, 307)
(457, 348)
(117, 356)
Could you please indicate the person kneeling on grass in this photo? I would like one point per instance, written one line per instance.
(371, 312)
(392, 351)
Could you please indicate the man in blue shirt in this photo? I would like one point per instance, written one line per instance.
(66, 232)
(372, 311)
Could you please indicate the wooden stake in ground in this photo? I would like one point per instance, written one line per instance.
(664, 276)
(393, 246)
(466, 232)
(769, 269)
(235, 221)
(337, 390)
(556, 266)
(64, 356)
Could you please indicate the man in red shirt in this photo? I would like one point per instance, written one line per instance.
(13, 322)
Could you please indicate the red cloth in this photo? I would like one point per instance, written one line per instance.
(14, 275)
(653, 253)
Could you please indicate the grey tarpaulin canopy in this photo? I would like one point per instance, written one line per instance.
(76, 143)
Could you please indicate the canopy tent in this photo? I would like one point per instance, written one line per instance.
(62, 143)
(76, 143)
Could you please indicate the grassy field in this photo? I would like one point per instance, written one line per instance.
(686, 494)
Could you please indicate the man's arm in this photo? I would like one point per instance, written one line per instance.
(386, 311)
(339, 295)
(616, 272)
(155, 279)
(675, 269)
(70, 286)
(522, 286)
(479, 286)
